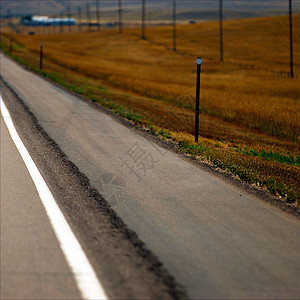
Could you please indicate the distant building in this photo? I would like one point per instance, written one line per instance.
(45, 21)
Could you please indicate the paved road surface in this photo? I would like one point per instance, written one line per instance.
(217, 240)
(128, 270)
(32, 263)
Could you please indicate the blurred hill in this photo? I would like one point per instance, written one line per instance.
(157, 9)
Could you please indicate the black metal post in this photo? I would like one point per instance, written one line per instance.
(88, 16)
(41, 56)
(291, 40)
(10, 45)
(120, 16)
(174, 24)
(143, 19)
(197, 110)
(221, 29)
(98, 14)
(69, 17)
(79, 19)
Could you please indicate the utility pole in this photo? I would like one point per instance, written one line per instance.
(79, 19)
(120, 16)
(98, 14)
(41, 56)
(291, 39)
(69, 17)
(9, 15)
(143, 19)
(54, 27)
(197, 110)
(174, 24)
(88, 15)
(10, 45)
(221, 29)
(61, 23)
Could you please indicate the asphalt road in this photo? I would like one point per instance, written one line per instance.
(28, 243)
(215, 238)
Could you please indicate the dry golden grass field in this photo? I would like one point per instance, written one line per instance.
(249, 123)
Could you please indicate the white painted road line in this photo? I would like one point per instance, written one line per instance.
(85, 277)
